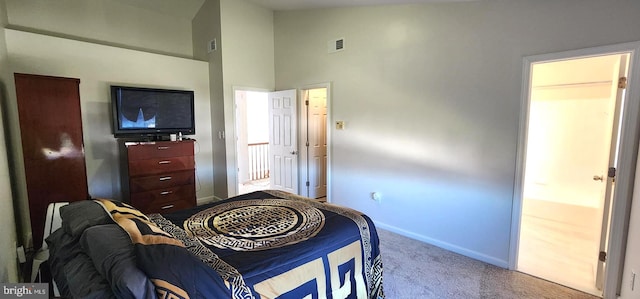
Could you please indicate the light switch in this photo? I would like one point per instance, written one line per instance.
(340, 125)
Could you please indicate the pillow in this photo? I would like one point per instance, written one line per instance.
(62, 248)
(84, 281)
(79, 215)
(111, 251)
(73, 270)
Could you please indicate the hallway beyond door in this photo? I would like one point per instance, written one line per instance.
(560, 248)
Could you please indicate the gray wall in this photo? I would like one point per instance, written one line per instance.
(105, 22)
(8, 265)
(206, 26)
(247, 62)
(245, 59)
(431, 96)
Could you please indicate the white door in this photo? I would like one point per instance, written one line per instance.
(608, 174)
(283, 143)
(317, 142)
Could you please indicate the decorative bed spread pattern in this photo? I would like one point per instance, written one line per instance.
(267, 244)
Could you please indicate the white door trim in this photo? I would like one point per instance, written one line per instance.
(620, 96)
(232, 176)
(626, 164)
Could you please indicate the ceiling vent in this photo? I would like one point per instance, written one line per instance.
(336, 45)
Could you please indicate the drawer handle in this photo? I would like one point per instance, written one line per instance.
(164, 162)
(163, 147)
(167, 207)
(165, 178)
(166, 192)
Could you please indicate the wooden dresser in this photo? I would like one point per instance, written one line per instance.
(159, 176)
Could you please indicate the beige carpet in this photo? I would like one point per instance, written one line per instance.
(413, 269)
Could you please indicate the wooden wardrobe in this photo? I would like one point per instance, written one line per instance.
(52, 144)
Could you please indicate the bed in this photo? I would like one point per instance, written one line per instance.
(265, 244)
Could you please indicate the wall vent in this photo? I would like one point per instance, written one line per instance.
(212, 46)
(336, 45)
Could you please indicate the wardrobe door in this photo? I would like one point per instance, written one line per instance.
(52, 145)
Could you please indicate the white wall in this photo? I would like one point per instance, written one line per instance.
(106, 22)
(559, 167)
(632, 258)
(8, 265)
(431, 97)
(575, 99)
(98, 67)
(247, 61)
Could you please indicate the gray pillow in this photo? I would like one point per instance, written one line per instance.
(83, 279)
(112, 253)
(79, 215)
(73, 270)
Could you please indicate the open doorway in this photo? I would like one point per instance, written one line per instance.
(574, 116)
(252, 142)
(314, 125)
(254, 145)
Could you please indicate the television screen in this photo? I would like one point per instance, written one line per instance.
(151, 112)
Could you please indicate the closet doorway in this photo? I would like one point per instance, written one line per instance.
(314, 137)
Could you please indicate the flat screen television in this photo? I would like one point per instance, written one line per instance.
(151, 112)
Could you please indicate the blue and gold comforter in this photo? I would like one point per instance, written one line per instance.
(266, 244)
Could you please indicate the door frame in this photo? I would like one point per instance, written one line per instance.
(232, 164)
(628, 155)
(302, 135)
(232, 178)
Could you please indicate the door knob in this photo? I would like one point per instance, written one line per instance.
(598, 178)
(293, 152)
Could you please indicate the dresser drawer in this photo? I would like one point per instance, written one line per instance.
(165, 180)
(163, 149)
(160, 166)
(180, 196)
(168, 207)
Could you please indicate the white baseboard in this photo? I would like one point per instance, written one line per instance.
(208, 199)
(444, 245)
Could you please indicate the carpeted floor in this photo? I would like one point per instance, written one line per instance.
(413, 269)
